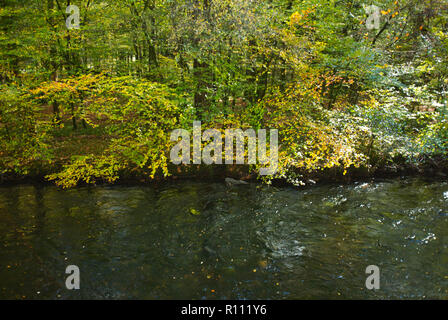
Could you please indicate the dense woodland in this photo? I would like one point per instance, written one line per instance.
(97, 103)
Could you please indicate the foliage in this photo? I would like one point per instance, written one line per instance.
(98, 103)
(136, 113)
(24, 137)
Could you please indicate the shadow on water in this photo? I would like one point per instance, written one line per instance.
(211, 241)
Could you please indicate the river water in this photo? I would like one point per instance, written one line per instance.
(194, 240)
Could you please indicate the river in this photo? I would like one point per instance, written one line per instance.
(203, 240)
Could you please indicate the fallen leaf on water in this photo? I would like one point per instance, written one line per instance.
(194, 212)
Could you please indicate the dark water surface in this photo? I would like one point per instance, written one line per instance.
(209, 241)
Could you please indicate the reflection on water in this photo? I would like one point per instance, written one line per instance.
(242, 242)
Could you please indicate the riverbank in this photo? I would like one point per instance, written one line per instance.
(116, 135)
(212, 173)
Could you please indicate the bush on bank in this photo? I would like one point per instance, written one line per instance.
(125, 126)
